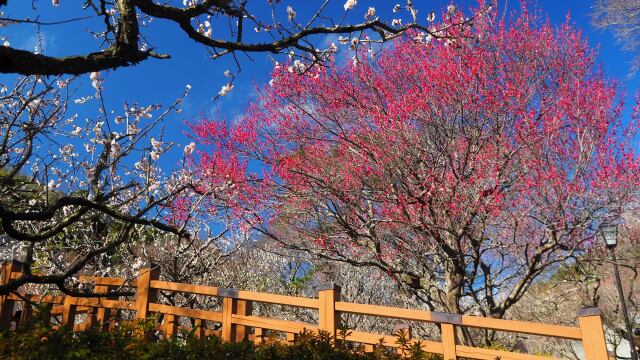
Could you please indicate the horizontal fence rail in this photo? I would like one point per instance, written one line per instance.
(238, 323)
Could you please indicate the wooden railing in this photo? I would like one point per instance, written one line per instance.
(237, 321)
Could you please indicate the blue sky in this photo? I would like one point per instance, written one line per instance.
(161, 81)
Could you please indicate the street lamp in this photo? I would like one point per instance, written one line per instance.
(609, 233)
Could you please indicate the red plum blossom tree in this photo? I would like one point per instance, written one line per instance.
(465, 168)
(82, 189)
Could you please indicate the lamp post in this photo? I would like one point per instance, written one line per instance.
(609, 234)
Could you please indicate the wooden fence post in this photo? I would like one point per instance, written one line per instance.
(291, 337)
(92, 311)
(90, 321)
(7, 306)
(69, 312)
(232, 306)
(26, 314)
(593, 340)
(170, 326)
(243, 307)
(227, 318)
(198, 328)
(448, 331)
(101, 315)
(448, 341)
(144, 293)
(258, 335)
(328, 318)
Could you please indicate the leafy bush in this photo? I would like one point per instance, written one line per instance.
(39, 340)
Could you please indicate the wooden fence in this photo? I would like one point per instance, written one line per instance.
(237, 321)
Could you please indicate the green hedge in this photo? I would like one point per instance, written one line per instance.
(39, 341)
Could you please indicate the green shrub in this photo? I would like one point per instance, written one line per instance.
(38, 340)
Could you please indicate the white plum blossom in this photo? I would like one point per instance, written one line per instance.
(354, 43)
(396, 22)
(298, 66)
(33, 105)
(153, 187)
(291, 14)
(343, 40)
(206, 29)
(52, 185)
(96, 80)
(6, 43)
(396, 8)
(66, 150)
(62, 83)
(155, 155)
(132, 129)
(142, 165)
(155, 143)
(350, 4)
(424, 38)
(188, 149)
(431, 16)
(116, 149)
(98, 127)
(227, 73)
(371, 12)
(451, 8)
(137, 264)
(82, 100)
(225, 90)
(55, 2)
(76, 130)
